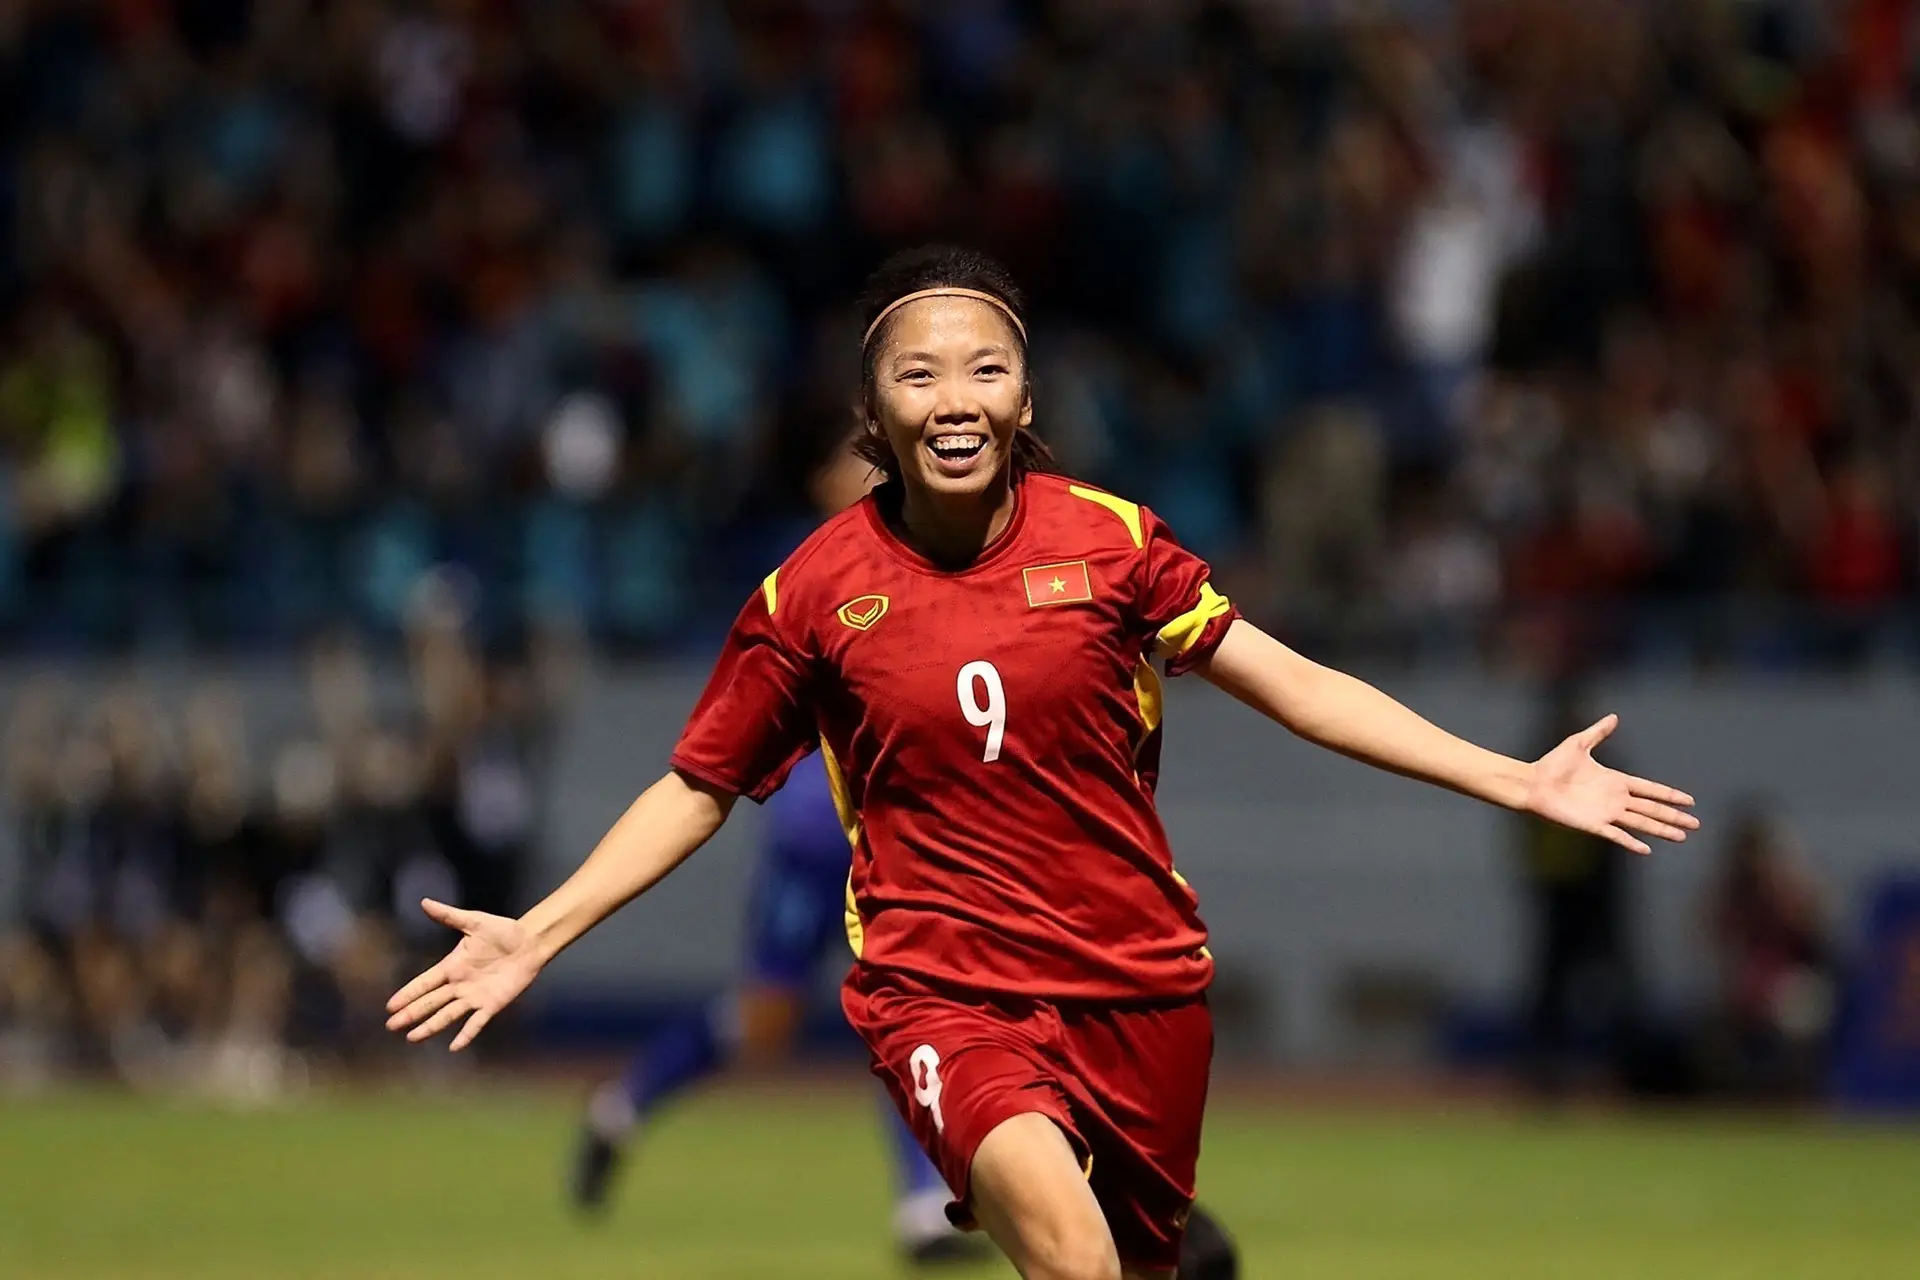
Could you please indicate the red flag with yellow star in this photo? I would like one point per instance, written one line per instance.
(1065, 583)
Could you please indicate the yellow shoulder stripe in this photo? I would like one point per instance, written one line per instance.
(1184, 631)
(1129, 512)
(770, 588)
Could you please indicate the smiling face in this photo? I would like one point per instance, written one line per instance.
(949, 394)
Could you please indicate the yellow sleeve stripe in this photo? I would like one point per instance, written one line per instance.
(770, 588)
(1129, 512)
(1184, 631)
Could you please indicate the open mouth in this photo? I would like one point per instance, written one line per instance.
(957, 449)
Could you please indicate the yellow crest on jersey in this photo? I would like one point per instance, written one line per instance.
(862, 612)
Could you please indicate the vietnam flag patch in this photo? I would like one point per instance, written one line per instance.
(1066, 583)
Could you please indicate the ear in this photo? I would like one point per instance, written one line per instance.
(1026, 410)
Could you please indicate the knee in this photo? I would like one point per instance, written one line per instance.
(1073, 1255)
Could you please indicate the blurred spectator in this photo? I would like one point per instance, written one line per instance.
(1774, 1008)
(37, 998)
(1582, 994)
(244, 993)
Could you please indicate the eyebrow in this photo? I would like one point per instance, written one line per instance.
(928, 357)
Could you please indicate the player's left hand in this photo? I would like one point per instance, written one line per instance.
(494, 961)
(1572, 788)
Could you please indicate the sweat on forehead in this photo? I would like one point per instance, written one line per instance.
(944, 292)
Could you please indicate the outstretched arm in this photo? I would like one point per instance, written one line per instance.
(659, 831)
(498, 958)
(1337, 711)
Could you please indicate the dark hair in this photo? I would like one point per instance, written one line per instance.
(937, 266)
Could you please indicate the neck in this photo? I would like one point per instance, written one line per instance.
(954, 531)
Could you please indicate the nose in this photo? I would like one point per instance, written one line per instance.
(956, 408)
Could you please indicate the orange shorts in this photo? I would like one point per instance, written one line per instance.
(1126, 1083)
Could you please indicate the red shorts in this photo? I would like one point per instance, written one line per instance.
(1127, 1084)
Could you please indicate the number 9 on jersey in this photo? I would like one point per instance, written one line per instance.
(992, 716)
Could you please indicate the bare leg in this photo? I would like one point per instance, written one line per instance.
(259, 984)
(110, 990)
(32, 989)
(249, 1063)
(1032, 1197)
(176, 964)
(35, 1011)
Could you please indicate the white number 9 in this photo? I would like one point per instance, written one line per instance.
(993, 716)
(924, 1066)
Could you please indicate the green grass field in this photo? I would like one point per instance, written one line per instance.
(752, 1186)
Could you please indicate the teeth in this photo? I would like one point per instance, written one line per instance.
(958, 444)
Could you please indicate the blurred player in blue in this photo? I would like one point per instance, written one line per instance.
(795, 923)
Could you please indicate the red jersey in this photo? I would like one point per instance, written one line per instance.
(992, 736)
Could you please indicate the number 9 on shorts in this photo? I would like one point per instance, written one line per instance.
(924, 1070)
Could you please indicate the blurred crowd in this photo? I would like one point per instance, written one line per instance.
(217, 897)
(1505, 328)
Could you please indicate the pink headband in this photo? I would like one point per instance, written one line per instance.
(975, 294)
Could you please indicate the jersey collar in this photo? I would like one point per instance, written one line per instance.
(995, 551)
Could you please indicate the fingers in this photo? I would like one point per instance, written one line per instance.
(431, 980)
(1663, 813)
(452, 1013)
(1599, 731)
(1651, 826)
(1625, 841)
(1648, 790)
(426, 1004)
(475, 1025)
(452, 917)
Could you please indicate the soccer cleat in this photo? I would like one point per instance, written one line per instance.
(610, 1122)
(927, 1239)
(953, 1248)
(594, 1162)
(1207, 1252)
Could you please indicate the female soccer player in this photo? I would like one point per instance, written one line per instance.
(794, 919)
(969, 648)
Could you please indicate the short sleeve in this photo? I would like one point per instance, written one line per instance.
(754, 721)
(1185, 617)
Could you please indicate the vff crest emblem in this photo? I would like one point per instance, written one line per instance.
(862, 612)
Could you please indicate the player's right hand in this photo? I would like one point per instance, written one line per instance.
(484, 973)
